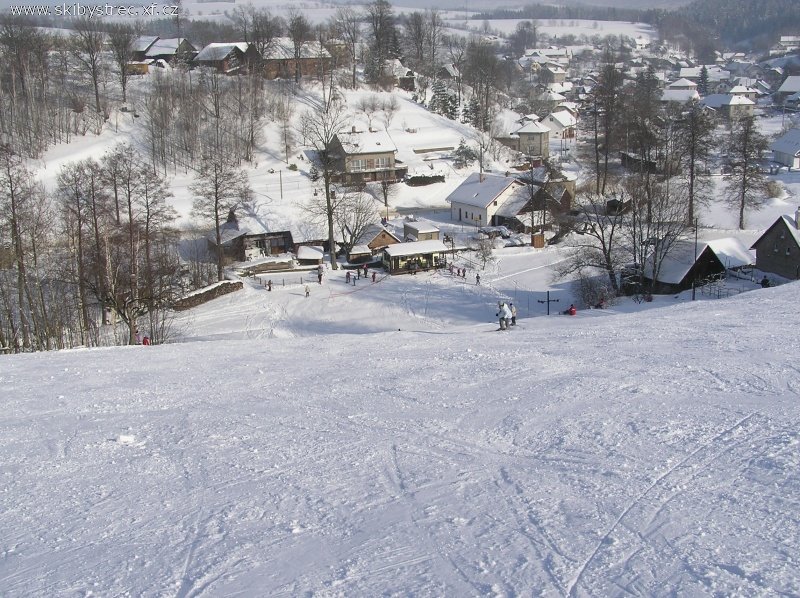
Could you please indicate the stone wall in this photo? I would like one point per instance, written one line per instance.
(200, 297)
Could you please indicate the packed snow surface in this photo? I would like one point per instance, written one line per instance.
(649, 453)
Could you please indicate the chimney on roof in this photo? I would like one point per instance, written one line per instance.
(797, 218)
(481, 177)
(353, 130)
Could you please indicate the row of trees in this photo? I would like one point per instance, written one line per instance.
(102, 247)
(638, 214)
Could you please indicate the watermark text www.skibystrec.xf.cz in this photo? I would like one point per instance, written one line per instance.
(76, 9)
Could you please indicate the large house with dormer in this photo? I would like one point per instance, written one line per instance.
(363, 156)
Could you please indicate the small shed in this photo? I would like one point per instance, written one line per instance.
(359, 254)
(407, 258)
(420, 230)
(310, 255)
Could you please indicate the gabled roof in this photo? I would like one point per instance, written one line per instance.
(563, 118)
(791, 85)
(219, 51)
(682, 83)
(717, 100)
(730, 252)
(166, 46)
(790, 223)
(532, 127)
(480, 190)
(551, 96)
(518, 200)
(143, 43)
(228, 231)
(742, 89)
(366, 142)
(373, 231)
(283, 49)
(679, 95)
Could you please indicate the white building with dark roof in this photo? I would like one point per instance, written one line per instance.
(480, 197)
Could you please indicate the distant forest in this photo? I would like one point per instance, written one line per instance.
(708, 24)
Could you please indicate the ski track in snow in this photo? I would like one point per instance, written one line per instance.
(635, 454)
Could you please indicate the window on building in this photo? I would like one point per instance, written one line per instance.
(357, 165)
(381, 163)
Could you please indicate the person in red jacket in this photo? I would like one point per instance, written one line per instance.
(570, 311)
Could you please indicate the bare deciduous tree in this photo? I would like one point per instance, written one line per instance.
(319, 128)
(219, 188)
(747, 184)
(88, 42)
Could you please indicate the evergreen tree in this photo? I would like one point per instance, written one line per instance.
(439, 101)
(702, 84)
(451, 110)
(465, 153)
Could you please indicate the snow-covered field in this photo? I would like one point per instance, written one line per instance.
(559, 27)
(605, 454)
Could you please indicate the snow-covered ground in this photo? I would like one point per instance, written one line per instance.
(611, 453)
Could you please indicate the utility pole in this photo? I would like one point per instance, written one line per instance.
(548, 301)
(694, 277)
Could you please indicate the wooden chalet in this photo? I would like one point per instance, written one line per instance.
(228, 58)
(778, 249)
(280, 61)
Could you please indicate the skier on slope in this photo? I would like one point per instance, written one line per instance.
(504, 314)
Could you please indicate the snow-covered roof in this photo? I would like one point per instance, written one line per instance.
(218, 51)
(682, 84)
(514, 204)
(307, 252)
(283, 49)
(790, 85)
(788, 143)
(360, 249)
(551, 96)
(731, 252)
(564, 118)
(415, 248)
(532, 127)
(717, 100)
(373, 231)
(143, 42)
(422, 226)
(715, 73)
(679, 95)
(166, 46)
(560, 88)
(790, 223)
(742, 89)
(367, 142)
(228, 231)
(480, 190)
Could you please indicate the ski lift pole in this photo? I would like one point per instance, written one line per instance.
(548, 301)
